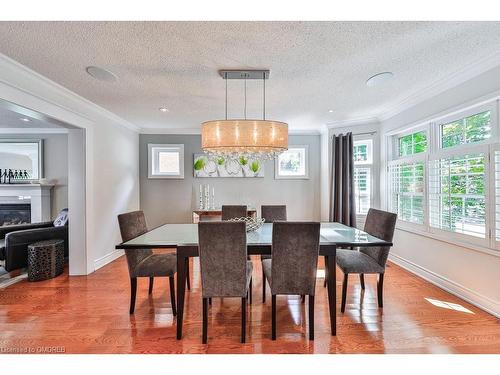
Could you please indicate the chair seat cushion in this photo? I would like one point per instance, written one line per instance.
(353, 261)
(157, 265)
(2, 249)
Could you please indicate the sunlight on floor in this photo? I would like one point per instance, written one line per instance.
(320, 274)
(449, 305)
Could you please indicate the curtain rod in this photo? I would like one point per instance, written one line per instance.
(355, 134)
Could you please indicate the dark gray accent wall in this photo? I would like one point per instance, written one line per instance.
(55, 161)
(173, 200)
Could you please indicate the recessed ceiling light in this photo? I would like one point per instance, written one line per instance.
(163, 109)
(330, 110)
(101, 74)
(25, 119)
(379, 79)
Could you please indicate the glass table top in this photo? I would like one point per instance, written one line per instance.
(169, 235)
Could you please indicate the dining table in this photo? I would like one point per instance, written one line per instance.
(184, 239)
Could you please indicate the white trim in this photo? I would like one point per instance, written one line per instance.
(196, 131)
(108, 258)
(152, 159)
(440, 86)
(358, 121)
(9, 65)
(33, 131)
(482, 302)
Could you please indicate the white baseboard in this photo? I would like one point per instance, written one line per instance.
(484, 303)
(108, 258)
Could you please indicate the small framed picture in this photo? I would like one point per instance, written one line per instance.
(293, 163)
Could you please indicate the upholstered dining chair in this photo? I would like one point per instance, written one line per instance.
(231, 212)
(270, 214)
(368, 260)
(292, 269)
(142, 262)
(225, 270)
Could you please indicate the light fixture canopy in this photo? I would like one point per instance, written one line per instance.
(233, 138)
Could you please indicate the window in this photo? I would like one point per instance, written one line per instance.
(363, 161)
(407, 191)
(165, 161)
(411, 144)
(439, 179)
(472, 129)
(292, 163)
(457, 194)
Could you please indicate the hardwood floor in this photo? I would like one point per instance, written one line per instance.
(89, 314)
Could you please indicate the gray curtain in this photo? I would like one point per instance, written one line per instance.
(342, 202)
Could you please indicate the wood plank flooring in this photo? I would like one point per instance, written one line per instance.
(89, 314)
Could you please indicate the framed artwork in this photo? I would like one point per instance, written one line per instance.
(207, 166)
(293, 163)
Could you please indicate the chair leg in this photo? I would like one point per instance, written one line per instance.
(344, 292)
(133, 292)
(273, 317)
(380, 288)
(250, 292)
(210, 301)
(151, 281)
(172, 294)
(362, 280)
(205, 322)
(243, 319)
(311, 318)
(263, 286)
(188, 281)
(326, 275)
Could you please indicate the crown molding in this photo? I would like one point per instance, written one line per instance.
(197, 131)
(353, 122)
(456, 78)
(33, 131)
(20, 77)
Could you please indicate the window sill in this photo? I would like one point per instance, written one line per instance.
(434, 236)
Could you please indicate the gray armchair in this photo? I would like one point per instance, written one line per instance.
(270, 214)
(225, 271)
(380, 224)
(231, 212)
(292, 269)
(14, 239)
(142, 262)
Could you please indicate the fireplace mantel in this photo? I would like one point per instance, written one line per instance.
(37, 195)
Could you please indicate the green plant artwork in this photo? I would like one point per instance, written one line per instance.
(209, 166)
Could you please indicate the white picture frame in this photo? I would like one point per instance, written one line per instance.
(292, 164)
(174, 152)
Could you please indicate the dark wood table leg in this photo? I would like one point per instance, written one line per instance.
(181, 290)
(332, 290)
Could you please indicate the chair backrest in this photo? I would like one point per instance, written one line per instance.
(295, 257)
(380, 224)
(133, 224)
(223, 258)
(232, 212)
(273, 213)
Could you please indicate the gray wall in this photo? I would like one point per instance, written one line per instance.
(55, 165)
(172, 201)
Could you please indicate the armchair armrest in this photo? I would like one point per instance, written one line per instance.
(13, 228)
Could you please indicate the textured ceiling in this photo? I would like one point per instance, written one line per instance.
(10, 119)
(315, 66)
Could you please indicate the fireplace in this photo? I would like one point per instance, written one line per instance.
(17, 213)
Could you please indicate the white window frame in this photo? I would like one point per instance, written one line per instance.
(489, 244)
(153, 160)
(304, 176)
(369, 164)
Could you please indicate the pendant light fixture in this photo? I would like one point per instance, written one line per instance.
(256, 139)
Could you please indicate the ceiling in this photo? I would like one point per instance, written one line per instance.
(12, 120)
(315, 66)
